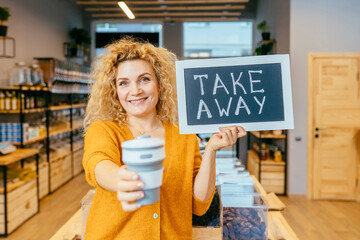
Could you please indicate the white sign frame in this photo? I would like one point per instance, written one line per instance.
(283, 59)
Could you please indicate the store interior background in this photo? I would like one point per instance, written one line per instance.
(40, 28)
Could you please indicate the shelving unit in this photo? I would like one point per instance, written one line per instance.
(19, 201)
(63, 98)
(271, 174)
(58, 169)
(63, 166)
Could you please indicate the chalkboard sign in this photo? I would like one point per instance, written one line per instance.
(254, 92)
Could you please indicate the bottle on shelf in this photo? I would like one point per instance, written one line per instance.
(22, 100)
(2, 100)
(277, 155)
(14, 101)
(32, 101)
(7, 100)
(263, 152)
(27, 101)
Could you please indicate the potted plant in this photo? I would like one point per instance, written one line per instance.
(4, 16)
(264, 29)
(264, 49)
(79, 37)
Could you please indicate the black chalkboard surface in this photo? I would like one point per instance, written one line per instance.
(254, 92)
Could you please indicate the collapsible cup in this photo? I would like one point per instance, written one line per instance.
(145, 156)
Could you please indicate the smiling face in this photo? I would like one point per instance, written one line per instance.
(137, 87)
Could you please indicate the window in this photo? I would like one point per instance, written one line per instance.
(217, 39)
(108, 32)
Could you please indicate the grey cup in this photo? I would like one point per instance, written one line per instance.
(145, 156)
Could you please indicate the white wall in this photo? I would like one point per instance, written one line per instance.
(315, 26)
(40, 27)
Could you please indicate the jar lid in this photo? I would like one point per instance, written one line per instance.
(20, 63)
(143, 141)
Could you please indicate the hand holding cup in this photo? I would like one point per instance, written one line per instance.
(129, 189)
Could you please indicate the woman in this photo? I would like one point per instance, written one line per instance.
(134, 94)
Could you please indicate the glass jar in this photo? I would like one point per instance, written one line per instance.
(20, 75)
(37, 76)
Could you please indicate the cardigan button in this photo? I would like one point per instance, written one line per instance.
(155, 215)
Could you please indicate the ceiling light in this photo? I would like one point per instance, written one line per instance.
(126, 10)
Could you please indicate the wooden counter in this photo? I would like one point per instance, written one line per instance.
(278, 228)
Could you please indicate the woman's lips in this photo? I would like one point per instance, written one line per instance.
(137, 101)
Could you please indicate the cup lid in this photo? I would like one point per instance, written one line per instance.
(143, 141)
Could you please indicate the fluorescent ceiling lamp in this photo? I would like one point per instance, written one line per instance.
(126, 10)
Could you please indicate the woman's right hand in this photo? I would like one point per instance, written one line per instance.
(129, 189)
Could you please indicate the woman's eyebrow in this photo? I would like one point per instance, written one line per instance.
(125, 78)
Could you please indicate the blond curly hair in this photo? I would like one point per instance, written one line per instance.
(104, 105)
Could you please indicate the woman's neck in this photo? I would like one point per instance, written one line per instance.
(144, 125)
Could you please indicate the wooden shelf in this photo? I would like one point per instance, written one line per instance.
(12, 186)
(272, 162)
(272, 173)
(59, 131)
(79, 105)
(17, 155)
(25, 111)
(77, 147)
(33, 140)
(255, 157)
(57, 108)
(57, 156)
(270, 136)
(64, 107)
(25, 88)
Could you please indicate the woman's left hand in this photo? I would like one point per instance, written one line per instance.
(226, 137)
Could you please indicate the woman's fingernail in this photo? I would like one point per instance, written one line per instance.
(140, 195)
(140, 185)
(139, 205)
(134, 177)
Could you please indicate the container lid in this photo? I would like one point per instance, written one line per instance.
(235, 178)
(20, 63)
(252, 200)
(143, 141)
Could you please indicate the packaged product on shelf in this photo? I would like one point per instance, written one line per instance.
(3, 137)
(11, 132)
(32, 132)
(15, 173)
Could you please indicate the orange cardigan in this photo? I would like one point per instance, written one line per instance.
(171, 217)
